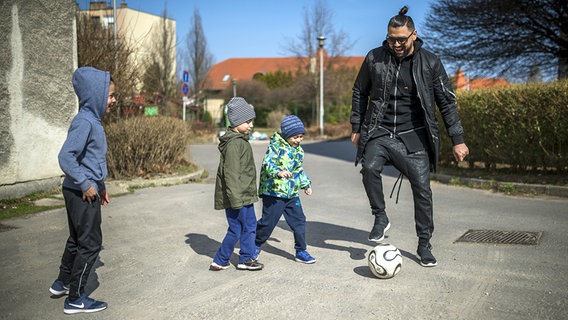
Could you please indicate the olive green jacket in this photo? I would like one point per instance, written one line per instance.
(235, 185)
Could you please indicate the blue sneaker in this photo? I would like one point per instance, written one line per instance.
(58, 288)
(256, 253)
(304, 257)
(83, 304)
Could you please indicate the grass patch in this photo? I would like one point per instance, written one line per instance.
(12, 208)
(508, 175)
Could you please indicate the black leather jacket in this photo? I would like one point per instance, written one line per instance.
(371, 93)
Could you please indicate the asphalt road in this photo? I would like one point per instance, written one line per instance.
(159, 242)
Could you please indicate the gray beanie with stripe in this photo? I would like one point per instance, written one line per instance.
(239, 111)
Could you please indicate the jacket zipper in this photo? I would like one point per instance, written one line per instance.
(395, 97)
(428, 124)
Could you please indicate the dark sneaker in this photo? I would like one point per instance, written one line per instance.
(304, 257)
(251, 264)
(378, 232)
(256, 253)
(216, 267)
(426, 257)
(58, 288)
(83, 304)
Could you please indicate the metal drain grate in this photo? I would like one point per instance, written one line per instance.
(501, 237)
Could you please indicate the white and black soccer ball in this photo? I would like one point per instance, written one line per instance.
(385, 261)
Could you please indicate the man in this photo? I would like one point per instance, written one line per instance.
(393, 122)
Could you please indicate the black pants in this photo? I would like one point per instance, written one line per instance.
(84, 242)
(414, 166)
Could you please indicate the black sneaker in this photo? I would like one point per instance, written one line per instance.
(378, 232)
(251, 264)
(426, 257)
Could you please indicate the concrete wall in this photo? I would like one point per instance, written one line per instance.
(37, 102)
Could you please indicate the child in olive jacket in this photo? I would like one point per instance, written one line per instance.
(235, 188)
(281, 178)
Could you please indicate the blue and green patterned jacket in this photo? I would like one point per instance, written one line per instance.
(281, 156)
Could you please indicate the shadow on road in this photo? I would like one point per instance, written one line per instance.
(319, 234)
(342, 150)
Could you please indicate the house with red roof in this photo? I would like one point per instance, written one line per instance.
(229, 72)
(460, 82)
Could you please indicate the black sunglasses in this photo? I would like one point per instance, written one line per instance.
(401, 40)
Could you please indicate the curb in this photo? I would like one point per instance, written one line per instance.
(121, 187)
(117, 187)
(549, 190)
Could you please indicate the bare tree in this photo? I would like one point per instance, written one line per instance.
(318, 20)
(198, 59)
(505, 37)
(96, 47)
(160, 74)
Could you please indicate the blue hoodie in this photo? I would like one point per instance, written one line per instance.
(83, 155)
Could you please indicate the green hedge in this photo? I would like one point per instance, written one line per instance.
(141, 146)
(524, 127)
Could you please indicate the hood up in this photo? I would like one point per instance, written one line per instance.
(91, 86)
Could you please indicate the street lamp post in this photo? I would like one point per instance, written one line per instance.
(321, 39)
(234, 81)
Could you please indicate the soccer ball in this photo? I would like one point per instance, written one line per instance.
(385, 261)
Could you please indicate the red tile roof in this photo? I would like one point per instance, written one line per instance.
(247, 68)
(463, 83)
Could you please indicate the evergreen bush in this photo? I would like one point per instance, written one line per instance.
(522, 127)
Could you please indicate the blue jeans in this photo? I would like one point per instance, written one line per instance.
(272, 210)
(242, 226)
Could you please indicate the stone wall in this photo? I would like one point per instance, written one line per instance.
(37, 58)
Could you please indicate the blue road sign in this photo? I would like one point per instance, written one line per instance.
(185, 89)
(185, 76)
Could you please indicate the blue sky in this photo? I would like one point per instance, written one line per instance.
(260, 28)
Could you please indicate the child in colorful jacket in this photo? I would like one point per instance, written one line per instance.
(281, 178)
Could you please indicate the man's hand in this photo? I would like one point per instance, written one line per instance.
(355, 138)
(460, 151)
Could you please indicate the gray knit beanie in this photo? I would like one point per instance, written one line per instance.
(239, 111)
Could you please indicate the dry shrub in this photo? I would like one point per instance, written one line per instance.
(143, 146)
(337, 131)
(331, 131)
(275, 118)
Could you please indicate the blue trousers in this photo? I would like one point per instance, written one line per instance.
(242, 226)
(272, 209)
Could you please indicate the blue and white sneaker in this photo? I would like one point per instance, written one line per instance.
(83, 304)
(58, 288)
(304, 257)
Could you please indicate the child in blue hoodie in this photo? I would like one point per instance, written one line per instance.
(83, 160)
(281, 178)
